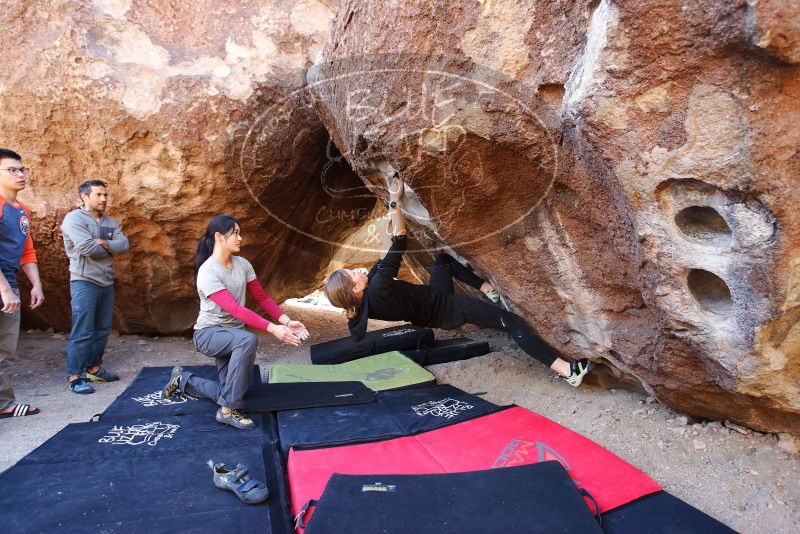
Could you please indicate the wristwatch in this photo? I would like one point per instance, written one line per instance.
(393, 205)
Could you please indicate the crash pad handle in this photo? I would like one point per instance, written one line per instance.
(298, 520)
(596, 513)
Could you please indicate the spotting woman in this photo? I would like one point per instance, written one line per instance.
(223, 280)
(377, 295)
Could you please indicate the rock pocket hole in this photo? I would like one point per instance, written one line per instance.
(710, 291)
(552, 93)
(704, 223)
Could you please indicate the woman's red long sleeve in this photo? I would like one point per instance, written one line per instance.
(224, 299)
(266, 302)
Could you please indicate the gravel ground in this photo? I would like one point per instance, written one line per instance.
(746, 480)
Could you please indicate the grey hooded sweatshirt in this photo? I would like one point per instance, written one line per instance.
(88, 261)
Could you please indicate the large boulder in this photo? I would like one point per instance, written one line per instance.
(187, 110)
(625, 172)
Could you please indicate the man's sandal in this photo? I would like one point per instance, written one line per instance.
(248, 490)
(20, 410)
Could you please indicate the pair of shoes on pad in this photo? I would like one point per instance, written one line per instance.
(238, 481)
(578, 370)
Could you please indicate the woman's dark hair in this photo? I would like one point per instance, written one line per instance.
(224, 224)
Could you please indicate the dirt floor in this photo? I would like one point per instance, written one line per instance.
(747, 480)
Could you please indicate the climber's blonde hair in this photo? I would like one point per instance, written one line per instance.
(339, 291)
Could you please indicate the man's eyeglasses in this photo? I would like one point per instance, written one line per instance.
(21, 171)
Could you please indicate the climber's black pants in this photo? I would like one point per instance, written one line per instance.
(483, 313)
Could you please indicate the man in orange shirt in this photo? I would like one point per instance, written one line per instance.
(16, 250)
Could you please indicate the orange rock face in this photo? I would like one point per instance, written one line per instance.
(186, 110)
(625, 172)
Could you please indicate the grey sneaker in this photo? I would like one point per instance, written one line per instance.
(493, 295)
(173, 387)
(235, 418)
(496, 298)
(579, 369)
(237, 480)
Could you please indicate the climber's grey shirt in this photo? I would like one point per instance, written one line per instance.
(213, 277)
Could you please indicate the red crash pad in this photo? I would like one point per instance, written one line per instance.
(515, 436)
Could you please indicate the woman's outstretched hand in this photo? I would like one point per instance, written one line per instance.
(396, 188)
(297, 328)
(284, 334)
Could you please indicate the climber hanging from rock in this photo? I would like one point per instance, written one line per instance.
(378, 295)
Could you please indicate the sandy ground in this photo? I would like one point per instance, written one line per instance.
(746, 480)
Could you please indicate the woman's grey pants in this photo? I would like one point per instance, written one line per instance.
(234, 349)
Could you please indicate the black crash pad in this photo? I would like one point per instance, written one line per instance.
(531, 499)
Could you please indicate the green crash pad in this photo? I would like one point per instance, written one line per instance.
(380, 372)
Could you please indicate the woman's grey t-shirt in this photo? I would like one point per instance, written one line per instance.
(213, 277)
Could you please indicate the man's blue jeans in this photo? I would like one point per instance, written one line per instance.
(92, 313)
